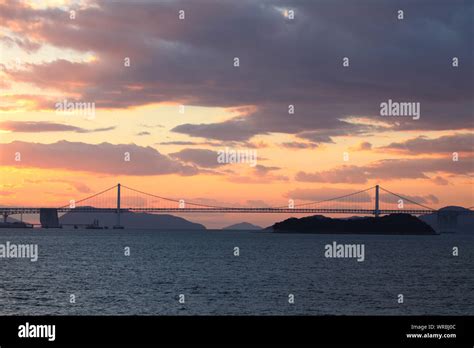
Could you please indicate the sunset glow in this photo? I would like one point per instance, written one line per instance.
(179, 98)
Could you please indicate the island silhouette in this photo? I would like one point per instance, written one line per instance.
(400, 224)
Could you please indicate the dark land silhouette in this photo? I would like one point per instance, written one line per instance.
(400, 224)
(131, 220)
(242, 226)
(464, 222)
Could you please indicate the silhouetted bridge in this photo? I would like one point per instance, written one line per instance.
(121, 199)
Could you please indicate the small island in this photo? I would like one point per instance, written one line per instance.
(243, 226)
(396, 224)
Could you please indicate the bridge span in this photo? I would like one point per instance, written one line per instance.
(120, 199)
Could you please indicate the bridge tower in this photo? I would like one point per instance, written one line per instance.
(118, 226)
(377, 210)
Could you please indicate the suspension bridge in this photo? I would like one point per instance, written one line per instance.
(120, 199)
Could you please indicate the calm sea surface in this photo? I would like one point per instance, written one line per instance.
(202, 266)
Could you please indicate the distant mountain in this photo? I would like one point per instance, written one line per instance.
(132, 220)
(465, 222)
(242, 226)
(390, 224)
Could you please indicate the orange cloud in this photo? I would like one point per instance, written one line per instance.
(101, 158)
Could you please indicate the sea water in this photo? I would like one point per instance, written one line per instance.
(152, 272)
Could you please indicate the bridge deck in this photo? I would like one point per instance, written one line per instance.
(11, 211)
(355, 203)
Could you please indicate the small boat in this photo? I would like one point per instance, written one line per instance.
(94, 226)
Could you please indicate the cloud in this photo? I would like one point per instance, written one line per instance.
(39, 127)
(262, 170)
(275, 119)
(236, 129)
(143, 133)
(343, 174)
(201, 157)
(259, 174)
(299, 145)
(103, 129)
(151, 125)
(178, 143)
(390, 169)
(26, 44)
(463, 142)
(282, 62)
(363, 146)
(78, 186)
(97, 158)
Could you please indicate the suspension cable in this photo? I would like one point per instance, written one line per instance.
(331, 199)
(174, 200)
(94, 195)
(407, 199)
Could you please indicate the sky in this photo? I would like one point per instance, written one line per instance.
(162, 83)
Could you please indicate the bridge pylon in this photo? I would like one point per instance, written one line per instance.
(377, 209)
(118, 226)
